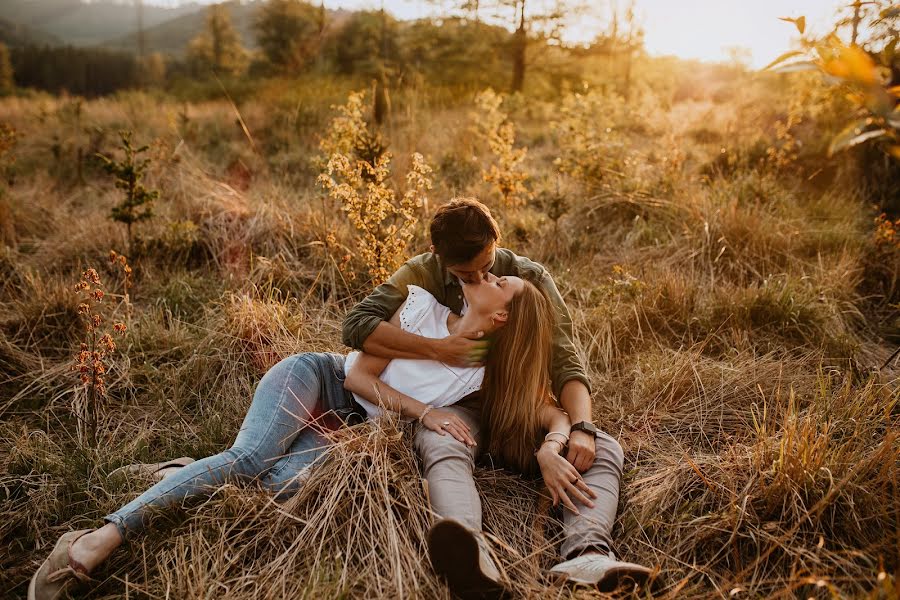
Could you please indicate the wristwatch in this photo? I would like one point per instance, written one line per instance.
(585, 426)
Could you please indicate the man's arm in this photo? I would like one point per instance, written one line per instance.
(568, 378)
(389, 341)
(378, 307)
(576, 400)
(366, 326)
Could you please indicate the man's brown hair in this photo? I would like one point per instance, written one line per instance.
(461, 229)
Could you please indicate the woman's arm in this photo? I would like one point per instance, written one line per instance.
(560, 477)
(364, 379)
(555, 420)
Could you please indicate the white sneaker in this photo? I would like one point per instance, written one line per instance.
(604, 572)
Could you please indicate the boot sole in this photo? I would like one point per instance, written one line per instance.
(454, 555)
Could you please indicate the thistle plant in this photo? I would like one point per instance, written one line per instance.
(506, 173)
(90, 362)
(136, 205)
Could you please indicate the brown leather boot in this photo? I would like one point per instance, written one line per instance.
(459, 556)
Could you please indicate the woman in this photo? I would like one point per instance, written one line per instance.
(281, 434)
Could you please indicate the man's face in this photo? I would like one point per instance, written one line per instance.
(476, 269)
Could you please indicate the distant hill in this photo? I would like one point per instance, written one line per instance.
(15, 34)
(172, 36)
(86, 24)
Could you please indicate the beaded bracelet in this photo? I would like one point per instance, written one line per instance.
(565, 437)
(561, 446)
(425, 412)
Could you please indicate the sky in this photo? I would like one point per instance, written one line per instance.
(702, 29)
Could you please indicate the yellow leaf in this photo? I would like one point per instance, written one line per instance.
(894, 91)
(894, 151)
(853, 64)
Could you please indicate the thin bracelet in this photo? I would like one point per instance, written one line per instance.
(425, 412)
(547, 437)
(561, 446)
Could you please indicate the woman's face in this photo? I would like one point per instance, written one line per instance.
(491, 296)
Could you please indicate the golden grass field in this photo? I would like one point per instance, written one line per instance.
(734, 307)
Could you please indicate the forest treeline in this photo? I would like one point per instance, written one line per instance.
(294, 37)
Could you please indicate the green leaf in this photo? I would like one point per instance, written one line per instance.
(803, 65)
(853, 135)
(782, 58)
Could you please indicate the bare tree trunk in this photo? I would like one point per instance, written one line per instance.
(520, 42)
(857, 16)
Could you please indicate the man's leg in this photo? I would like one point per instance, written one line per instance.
(448, 465)
(455, 542)
(593, 526)
(586, 551)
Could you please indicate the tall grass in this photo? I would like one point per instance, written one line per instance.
(729, 315)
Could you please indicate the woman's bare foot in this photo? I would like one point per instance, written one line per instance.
(93, 548)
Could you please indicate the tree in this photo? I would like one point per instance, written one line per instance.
(528, 22)
(289, 32)
(7, 83)
(365, 44)
(219, 47)
(136, 205)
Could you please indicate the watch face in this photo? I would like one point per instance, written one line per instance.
(586, 426)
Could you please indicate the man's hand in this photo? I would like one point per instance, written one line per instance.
(582, 450)
(562, 479)
(465, 349)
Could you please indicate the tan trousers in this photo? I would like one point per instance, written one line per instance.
(449, 465)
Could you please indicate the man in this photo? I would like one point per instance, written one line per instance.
(464, 248)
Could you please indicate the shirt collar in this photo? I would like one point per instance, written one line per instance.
(449, 278)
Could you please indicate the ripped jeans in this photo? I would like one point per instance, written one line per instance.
(280, 437)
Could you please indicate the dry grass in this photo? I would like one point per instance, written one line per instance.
(730, 351)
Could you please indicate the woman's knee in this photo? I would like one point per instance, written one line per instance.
(244, 463)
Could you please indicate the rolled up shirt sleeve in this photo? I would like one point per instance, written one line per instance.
(380, 305)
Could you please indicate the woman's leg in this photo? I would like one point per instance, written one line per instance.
(295, 391)
(286, 477)
(592, 527)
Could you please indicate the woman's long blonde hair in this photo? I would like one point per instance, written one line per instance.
(516, 379)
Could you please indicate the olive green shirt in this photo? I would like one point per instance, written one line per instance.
(426, 271)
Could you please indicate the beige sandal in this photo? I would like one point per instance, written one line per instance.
(59, 570)
(153, 470)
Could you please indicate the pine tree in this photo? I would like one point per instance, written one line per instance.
(128, 173)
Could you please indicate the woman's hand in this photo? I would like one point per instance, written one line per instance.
(441, 421)
(562, 479)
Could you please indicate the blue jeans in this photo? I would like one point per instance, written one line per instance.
(279, 438)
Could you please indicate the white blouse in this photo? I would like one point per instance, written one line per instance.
(428, 381)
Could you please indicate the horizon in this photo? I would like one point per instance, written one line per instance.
(731, 28)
